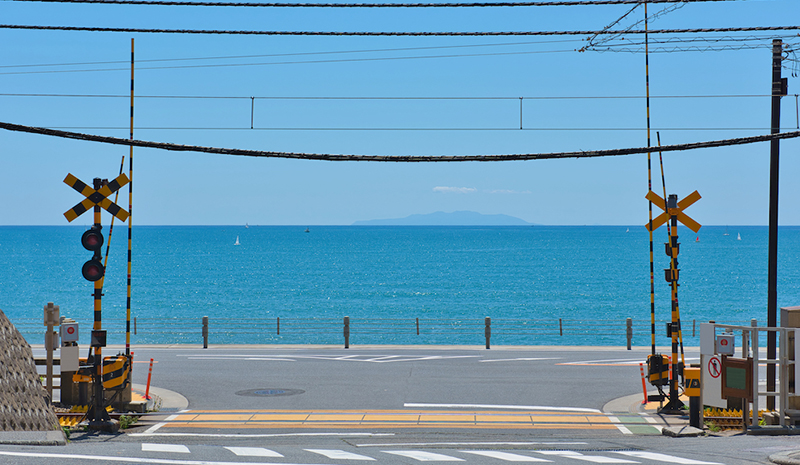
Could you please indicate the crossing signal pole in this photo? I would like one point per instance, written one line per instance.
(93, 270)
(673, 212)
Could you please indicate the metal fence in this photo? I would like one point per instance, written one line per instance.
(402, 331)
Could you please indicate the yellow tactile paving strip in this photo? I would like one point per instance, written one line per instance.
(387, 418)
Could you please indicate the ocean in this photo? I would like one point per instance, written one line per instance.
(553, 285)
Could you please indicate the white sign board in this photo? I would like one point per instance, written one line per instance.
(69, 359)
(711, 382)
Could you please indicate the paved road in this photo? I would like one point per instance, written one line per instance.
(315, 405)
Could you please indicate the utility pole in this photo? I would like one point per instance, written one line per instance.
(779, 89)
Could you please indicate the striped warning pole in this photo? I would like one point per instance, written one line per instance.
(149, 375)
(130, 223)
(649, 188)
(644, 386)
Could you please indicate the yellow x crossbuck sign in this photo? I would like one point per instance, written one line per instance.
(96, 197)
(677, 211)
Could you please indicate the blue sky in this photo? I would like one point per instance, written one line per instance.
(465, 93)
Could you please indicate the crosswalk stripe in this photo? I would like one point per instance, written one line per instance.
(665, 458)
(587, 458)
(423, 456)
(177, 448)
(339, 454)
(253, 452)
(507, 456)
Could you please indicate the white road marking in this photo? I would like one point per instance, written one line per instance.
(247, 358)
(428, 444)
(253, 452)
(342, 358)
(509, 407)
(507, 456)
(424, 456)
(274, 435)
(665, 458)
(155, 427)
(521, 359)
(176, 448)
(139, 460)
(648, 418)
(340, 454)
(624, 429)
(587, 458)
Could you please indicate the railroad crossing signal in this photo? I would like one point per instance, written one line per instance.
(673, 210)
(96, 197)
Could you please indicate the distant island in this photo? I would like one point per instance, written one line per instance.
(461, 218)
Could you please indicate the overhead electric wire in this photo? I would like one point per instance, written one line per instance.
(392, 158)
(309, 97)
(370, 5)
(388, 33)
(388, 129)
(342, 60)
(271, 55)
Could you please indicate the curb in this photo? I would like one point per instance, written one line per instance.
(33, 438)
(786, 458)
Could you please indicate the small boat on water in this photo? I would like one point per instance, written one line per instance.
(307, 230)
(237, 241)
(726, 231)
(738, 237)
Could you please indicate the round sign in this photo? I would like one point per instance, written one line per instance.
(714, 367)
(71, 330)
(723, 342)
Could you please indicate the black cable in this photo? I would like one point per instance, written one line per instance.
(392, 158)
(390, 33)
(370, 5)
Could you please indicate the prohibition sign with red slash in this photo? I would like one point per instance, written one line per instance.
(714, 367)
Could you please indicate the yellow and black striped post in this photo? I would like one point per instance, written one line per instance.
(130, 225)
(673, 212)
(98, 416)
(97, 197)
(674, 405)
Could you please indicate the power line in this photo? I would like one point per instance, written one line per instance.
(391, 33)
(370, 5)
(395, 129)
(343, 60)
(393, 158)
(275, 97)
(271, 55)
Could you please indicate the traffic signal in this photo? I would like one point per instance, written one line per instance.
(92, 240)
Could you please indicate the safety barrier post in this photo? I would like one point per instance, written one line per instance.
(488, 323)
(279, 326)
(417, 326)
(134, 326)
(560, 328)
(149, 375)
(629, 331)
(644, 386)
(347, 332)
(205, 332)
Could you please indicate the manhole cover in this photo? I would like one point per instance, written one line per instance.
(270, 392)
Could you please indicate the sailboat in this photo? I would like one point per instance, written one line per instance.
(237, 241)
(738, 237)
(726, 231)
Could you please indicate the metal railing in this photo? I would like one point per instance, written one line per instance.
(400, 331)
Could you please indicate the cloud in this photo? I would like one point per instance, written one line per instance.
(508, 191)
(457, 190)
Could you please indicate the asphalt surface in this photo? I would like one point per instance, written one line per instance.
(315, 404)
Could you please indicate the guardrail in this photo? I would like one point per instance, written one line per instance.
(402, 331)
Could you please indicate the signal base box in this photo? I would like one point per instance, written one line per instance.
(725, 344)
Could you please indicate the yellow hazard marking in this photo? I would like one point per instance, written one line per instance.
(388, 418)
